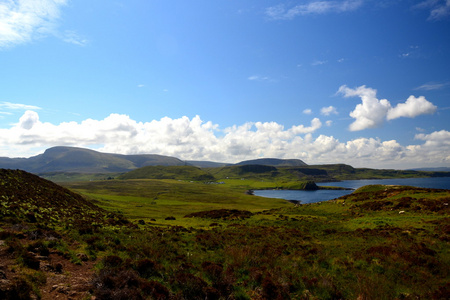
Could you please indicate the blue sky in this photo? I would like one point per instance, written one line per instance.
(362, 82)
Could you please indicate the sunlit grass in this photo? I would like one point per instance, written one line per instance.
(159, 199)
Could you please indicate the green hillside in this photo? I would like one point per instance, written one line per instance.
(27, 196)
(271, 173)
(191, 240)
(169, 172)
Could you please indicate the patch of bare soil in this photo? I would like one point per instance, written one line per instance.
(73, 281)
(59, 277)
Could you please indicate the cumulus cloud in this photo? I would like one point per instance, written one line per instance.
(307, 111)
(313, 7)
(372, 112)
(28, 120)
(435, 150)
(25, 20)
(412, 108)
(196, 139)
(326, 111)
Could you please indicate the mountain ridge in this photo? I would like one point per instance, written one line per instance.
(83, 160)
(74, 159)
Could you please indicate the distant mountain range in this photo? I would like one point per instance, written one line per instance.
(73, 159)
(81, 160)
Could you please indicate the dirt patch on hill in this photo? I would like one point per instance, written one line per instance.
(25, 267)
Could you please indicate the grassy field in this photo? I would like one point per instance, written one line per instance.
(171, 239)
(377, 243)
(149, 199)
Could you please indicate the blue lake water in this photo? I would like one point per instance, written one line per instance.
(324, 195)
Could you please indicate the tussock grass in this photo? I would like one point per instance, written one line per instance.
(356, 247)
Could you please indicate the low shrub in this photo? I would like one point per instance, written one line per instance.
(155, 290)
(112, 261)
(147, 268)
(191, 286)
(17, 289)
(111, 284)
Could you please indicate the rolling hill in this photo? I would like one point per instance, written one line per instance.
(74, 164)
(275, 162)
(73, 159)
(25, 196)
(169, 172)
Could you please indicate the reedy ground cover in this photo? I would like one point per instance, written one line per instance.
(379, 242)
(356, 247)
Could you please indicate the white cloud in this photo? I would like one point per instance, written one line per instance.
(25, 20)
(318, 62)
(197, 140)
(432, 86)
(439, 9)
(436, 149)
(326, 111)
(314, 7)
(18, 106)
(438, 140)
(412, 108)
(258, 78)
(372, 112)
(315, 124)
(420, 129)
(307, 111)
(72, 37)
(28, 120)
(411, 52)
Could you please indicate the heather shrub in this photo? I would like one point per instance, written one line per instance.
(112, 261)
(191, 286)
(111, 284)
(155, 290)
(17, 289)
(147, 268)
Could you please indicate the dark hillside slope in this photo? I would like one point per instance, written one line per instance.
(206, 164)
(24, 196)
